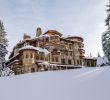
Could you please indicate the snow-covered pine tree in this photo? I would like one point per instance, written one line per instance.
(91, 54)
(3, 51)
(3, 45)
(98, 55)
(106, 35)
(108, 15)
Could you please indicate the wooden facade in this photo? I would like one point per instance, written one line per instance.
(63, 53)
(90, 61)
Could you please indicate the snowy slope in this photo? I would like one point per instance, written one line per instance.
(78, 84)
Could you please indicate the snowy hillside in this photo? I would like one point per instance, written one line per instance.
(78, 84)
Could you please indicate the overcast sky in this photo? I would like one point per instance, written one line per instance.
(71, 17)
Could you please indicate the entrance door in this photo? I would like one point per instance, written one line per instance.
(32, 69)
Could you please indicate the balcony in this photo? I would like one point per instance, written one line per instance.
(81, 50)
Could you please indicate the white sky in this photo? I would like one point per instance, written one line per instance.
(70, 17)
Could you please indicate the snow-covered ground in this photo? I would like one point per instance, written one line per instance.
(78, 84)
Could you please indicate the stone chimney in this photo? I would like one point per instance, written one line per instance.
(38, 32)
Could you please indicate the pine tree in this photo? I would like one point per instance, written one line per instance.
(98, 55)
(3, 45)
(107, 21)
(3, 51)
(106, 35)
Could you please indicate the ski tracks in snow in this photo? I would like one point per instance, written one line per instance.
(88, 74)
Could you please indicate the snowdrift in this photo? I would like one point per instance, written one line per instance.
(78, 84)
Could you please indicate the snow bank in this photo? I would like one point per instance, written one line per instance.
(78, 84)
(102, 61)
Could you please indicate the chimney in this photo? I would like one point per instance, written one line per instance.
(38, 32)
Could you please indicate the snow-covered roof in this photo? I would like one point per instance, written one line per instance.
(69, 36)
(44, 63)
(28, 47)
(41, 37)
(12, 57)
(44, 35)
(94, 58)
(53, 64)
(15, 61)
(70, 66)
(39, 49)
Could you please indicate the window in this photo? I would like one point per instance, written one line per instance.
(55, 50)
(41, 55)
(78, 62)
(46, 58)
(26, 56)
(69, 61)
(52, 59)
(56, 59)
(37, 57)
(92, 64)
(70, 53)
(47, 40)
(81, 62)
(66, 53)
(31, 55)
(70, 46)
(88, 64)
(79, 46)
(18, 71)
(41, 58)
(63, 61)
(32, 69)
